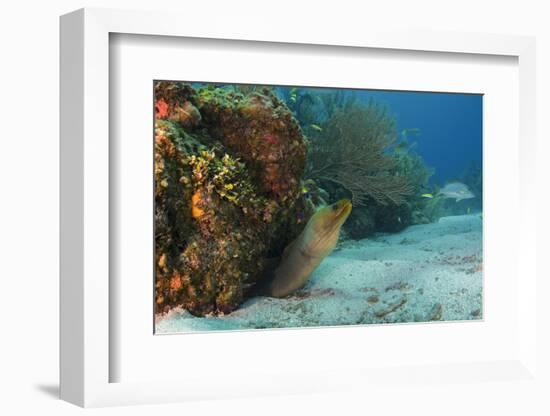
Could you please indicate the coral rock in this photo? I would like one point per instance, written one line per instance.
(227, 193)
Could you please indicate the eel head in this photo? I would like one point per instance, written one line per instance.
(323, 229)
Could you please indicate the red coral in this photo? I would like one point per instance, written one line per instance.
(270, 138)
(162, 109)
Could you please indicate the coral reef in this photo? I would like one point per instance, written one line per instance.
(409, 164)
(233, 187)
(227, 193)
(306, 106)
(337, 100)
(352, 154)
(259, 129)
(357, 154)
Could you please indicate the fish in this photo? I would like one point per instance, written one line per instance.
(457, 191)
(402, 146)
(293, 95)
(430, 196)
(301, 257)
(410, 132)
(316, 127)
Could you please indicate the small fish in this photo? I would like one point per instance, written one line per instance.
(305, 191)
(402, 146)
(429, 196)
(410, 132)
(316, 127)
(457, 191)
(293, 95)
(469, 210)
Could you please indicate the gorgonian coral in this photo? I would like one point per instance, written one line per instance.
(352, 153)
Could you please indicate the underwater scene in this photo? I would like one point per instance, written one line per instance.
(293, 207)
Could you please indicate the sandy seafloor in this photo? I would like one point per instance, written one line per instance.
(425, 273)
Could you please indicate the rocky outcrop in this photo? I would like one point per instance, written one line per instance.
(228, 194)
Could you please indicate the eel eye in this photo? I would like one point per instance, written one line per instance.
(335, 207)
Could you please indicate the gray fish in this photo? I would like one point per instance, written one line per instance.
(457, 191)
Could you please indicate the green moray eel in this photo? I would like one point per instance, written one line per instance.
(301, 257)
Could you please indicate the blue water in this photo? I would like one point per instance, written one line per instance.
(450, 127)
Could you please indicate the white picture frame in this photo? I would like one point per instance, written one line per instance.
(86, 356)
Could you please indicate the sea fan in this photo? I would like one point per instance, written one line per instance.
(352, 153)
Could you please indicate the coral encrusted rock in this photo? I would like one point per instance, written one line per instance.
(227, 193)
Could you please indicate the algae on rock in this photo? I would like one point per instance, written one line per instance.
(227, 193)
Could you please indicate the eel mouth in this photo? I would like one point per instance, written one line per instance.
(343, 208)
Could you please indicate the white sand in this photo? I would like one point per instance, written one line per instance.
(425, 273)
